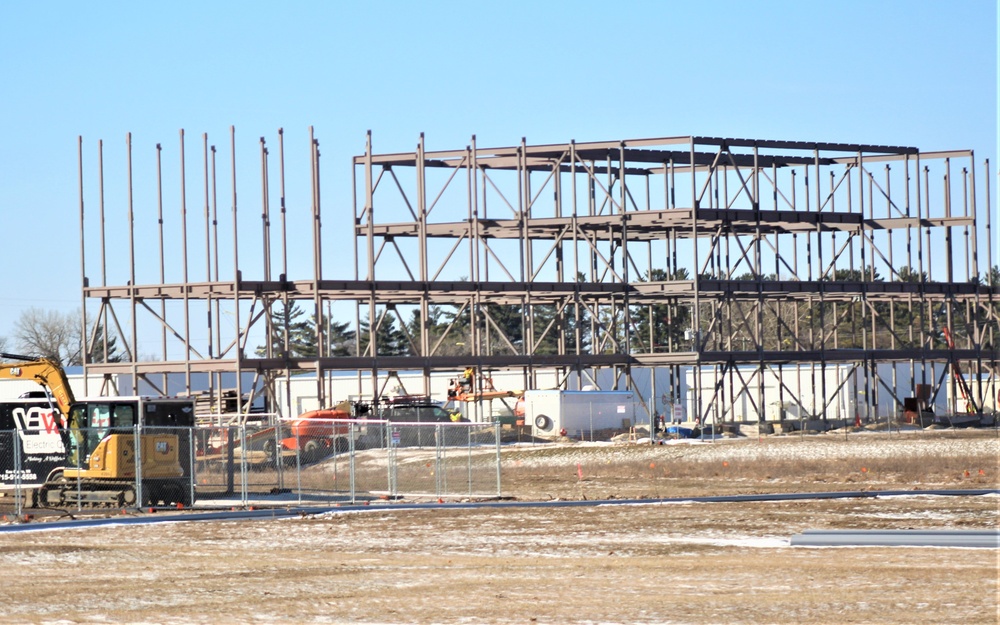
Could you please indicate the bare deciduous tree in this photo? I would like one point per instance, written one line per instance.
(57, 336)
(48, 333)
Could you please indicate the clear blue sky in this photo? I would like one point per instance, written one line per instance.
(917, 73)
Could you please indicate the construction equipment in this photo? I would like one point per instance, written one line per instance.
(318, 433)
(956, 372)
(313, 435)
(96, 441)
(471, 387)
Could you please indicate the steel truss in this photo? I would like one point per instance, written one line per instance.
(673, 254)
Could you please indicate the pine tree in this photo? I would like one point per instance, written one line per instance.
(391, 341)
(301, 333)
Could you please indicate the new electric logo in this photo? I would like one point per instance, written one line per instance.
(38, 430)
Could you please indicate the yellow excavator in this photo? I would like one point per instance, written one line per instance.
(98, 445)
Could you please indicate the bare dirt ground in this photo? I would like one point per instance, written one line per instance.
(650, 562)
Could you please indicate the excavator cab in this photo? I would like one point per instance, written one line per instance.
(92, 422)
(165, 424)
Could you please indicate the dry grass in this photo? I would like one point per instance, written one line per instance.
(967, 459)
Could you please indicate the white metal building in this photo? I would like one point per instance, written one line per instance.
(809, 391)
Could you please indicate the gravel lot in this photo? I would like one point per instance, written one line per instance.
(628, 563)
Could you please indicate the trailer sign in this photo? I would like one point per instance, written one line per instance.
(30, 429)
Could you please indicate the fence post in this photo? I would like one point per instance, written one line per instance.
(298, 463)
(468, 447)
(244, 498)
(496, 439)
(139, 495)
(83, 460)
(391, 457)
(279, 462)
(18, 498)
(230, 461)
(652, 419)
(192, 464)
(439, 434)
(350, 469)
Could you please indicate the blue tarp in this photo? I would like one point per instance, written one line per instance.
(680, 432)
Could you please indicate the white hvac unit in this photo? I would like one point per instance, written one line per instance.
(550, 413)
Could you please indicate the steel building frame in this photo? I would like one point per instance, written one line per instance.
(740, 256)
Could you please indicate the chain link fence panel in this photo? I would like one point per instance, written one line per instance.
(287, 463)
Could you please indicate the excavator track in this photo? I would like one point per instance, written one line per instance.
(60, 492)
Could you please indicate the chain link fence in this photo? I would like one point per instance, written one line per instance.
(301, 463)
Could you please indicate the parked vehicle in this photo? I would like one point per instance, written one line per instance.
(417, 412)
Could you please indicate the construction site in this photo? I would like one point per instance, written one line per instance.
(465, 410)
(721, 280)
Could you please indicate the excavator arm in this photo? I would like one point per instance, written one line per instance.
(45, 372)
